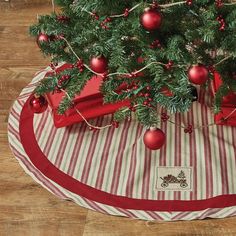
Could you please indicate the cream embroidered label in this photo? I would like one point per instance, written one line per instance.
(174, 178)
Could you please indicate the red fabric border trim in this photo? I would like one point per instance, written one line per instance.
(41, 162)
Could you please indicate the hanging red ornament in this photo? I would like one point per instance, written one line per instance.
(38, 104)
(154, 138)
(99, 64)
(198, 74)
(151, 19)
(42, 38)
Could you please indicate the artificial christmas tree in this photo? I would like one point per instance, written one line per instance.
(140, 49)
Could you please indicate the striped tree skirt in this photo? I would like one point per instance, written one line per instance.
(111, 171)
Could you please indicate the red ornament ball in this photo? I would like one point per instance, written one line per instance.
(38, 104)
(154, 138)
(198, 74)
(99, 64)
(42, 38)
(151, 19)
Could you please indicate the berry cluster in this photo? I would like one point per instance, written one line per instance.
(188, 129)
(147, 95)
(154, 5)
(222, 23)
(219, 3)
(95, 15)
(126, 13)
(80, 65)
(169, 65)
(104, 24)
(53, 65)
(164, 117)
(63, 19)
(64, 79)
(155, 44)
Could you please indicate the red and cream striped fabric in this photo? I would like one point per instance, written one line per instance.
(112, 172)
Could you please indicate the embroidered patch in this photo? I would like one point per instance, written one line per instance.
(174, 178)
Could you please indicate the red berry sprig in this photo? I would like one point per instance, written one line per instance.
(188, 129)
(169, 65)
(115, 124)
(53, 65)
(154, 5)
(80, 65)
(105, 22)
(148, 100)
(155, 44)
(95, 15)
(211, 69)
(219, 3)
(104, 75)
(62, 80)
(133, 109)
(57, 90)
(222, 23)
(133, 74)
(164, 117)
(127, 12)
(63, 19)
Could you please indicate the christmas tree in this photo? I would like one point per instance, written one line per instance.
(150, 52)
(182, 175)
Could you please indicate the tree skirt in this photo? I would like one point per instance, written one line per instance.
(111, 171)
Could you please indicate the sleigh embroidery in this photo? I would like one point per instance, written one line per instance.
(171, 179)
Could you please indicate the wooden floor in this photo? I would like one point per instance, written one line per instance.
(25, 207)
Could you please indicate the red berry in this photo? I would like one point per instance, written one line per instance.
(126, 13)
(189, 2)
(133, 109)
(115, 124)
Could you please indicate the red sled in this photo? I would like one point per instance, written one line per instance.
(227, 115)
(89, 103)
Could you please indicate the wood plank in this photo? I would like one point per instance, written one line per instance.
(102, 225)
(13, 4)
